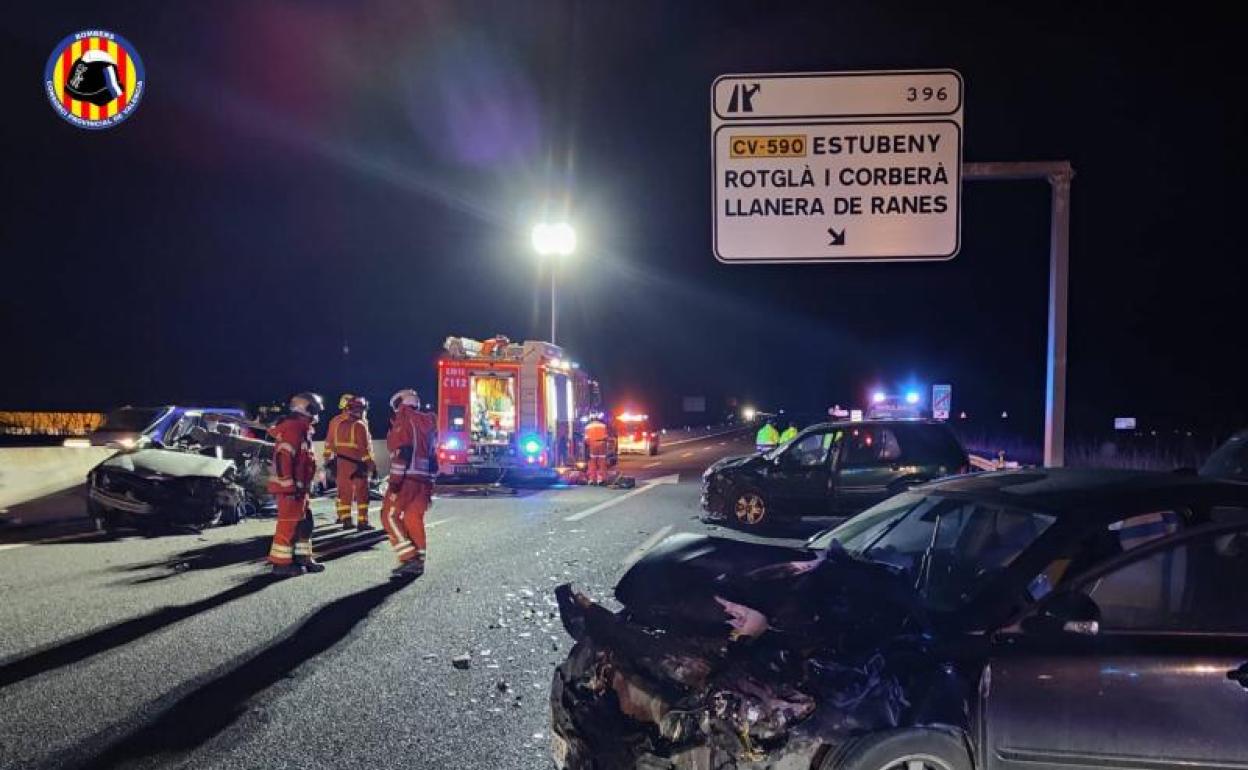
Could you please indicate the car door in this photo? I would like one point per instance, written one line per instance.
(865, 468)
(800, 482)
(1159, 681)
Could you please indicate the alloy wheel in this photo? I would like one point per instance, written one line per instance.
(751, 509)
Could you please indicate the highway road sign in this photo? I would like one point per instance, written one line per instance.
(837, 166)
(942, 401)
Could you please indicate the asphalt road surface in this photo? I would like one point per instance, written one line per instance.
(180, 651)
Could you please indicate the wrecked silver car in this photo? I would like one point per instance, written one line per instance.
(208, 471)
(914, 635)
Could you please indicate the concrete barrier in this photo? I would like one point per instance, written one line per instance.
(29, 473)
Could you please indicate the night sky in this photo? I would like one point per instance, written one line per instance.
(302, 175)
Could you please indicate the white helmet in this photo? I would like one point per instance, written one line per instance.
(405, 397)
(307, 404)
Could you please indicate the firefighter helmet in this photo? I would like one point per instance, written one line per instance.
(93, 78)
(405, 397)
(344, 401)
(357, 404)
(307, 404)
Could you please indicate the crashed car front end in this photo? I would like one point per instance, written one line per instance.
(739, 676)
(162, 487)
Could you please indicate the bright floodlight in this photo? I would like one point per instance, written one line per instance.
(878, 397)
(558, 238)
(748, 413)
(912, 397)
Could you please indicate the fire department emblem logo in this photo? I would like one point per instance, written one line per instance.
(94, 79)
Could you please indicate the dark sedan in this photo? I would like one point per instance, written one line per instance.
(831, 469)
(1021, 619)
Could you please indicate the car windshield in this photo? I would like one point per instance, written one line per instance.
(131, 419)
(949, 547)
(1230, 461)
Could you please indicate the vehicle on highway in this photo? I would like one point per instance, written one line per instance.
(1229, 461)
(206, 469)
(635, 434)
(1008, 620)
(837, 469)
(131, 427)
(511, 408)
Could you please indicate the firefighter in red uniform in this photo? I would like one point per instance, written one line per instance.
(349, 450)
(413, 465)
(596, 444)
(294, 466)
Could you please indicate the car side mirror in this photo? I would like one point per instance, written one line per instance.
(1069, 612)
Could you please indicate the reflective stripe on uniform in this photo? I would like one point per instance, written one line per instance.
(303, 549)
(283, 446)
(350, 441)
(280, 550)
(284, 482)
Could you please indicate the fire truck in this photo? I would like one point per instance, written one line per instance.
(511, 407)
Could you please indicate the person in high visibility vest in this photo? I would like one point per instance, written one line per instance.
(767, 437)
(789, 434)
(349, 452)
(294, 466)
(596, 443)
(413, 467)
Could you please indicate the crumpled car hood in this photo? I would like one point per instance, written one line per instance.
(165, 462)
(731, 654)
(797, 589)
(734, 462)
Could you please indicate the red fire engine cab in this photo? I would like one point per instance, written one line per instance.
(505, 406)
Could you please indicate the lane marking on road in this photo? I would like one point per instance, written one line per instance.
(11, 546)
(433, 524)
(651, 465)
(704, 438)
(645, 487)
(685, 454)
(646, 545)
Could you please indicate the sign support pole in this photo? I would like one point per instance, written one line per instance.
(1058, 174)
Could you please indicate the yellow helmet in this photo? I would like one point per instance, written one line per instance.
(346, 399)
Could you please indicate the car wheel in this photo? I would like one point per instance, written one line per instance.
(910, 749)
(750, 509)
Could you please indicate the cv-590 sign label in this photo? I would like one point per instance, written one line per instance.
(829, 167)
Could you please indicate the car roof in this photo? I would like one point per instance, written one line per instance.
(877, 421)
(1093, 491)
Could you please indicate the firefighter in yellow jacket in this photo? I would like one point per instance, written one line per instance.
(349, 455)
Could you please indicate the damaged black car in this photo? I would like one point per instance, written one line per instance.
(1037, 618)
(209, 469)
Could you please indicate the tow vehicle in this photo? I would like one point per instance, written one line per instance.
(635, 434)
(511, 408)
